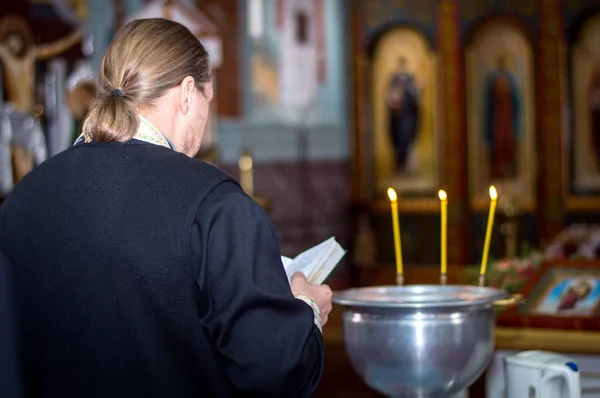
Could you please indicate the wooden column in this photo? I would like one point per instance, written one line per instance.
(119, 9)
(550, 120)
(227, 15)
(360, 105)
(454, 154)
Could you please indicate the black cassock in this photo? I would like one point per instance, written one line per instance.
(10, 380)
(142, 273)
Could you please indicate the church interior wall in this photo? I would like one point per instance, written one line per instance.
(551, 209)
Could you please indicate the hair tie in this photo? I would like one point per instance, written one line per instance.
(117, 92)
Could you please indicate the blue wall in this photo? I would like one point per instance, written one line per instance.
(101, 14)
(330, 101)
(270, 140)
(276, 140)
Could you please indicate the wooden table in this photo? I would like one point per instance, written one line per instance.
(570, 341)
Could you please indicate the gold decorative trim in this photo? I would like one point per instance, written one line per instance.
(582, 203)
(409, 205)
(147, 132)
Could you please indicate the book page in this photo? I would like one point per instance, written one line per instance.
(286, 261)
(307, 261)
(320, 274)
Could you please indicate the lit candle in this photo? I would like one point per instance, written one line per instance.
(488, 234)
(396, 226)
(246, 177)
(444, 238)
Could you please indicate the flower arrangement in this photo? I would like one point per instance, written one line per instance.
(578, 241)
(511, 274)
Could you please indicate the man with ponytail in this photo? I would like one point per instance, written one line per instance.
(141, 272)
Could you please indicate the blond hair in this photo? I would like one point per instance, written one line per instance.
(147, 58)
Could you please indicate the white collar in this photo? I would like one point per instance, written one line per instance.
(147, 132)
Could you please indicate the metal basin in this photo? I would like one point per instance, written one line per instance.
(419, 340)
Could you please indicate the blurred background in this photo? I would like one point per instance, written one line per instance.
(321, 105)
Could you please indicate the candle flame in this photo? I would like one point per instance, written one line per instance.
(245, 162)
(493, 193)
(392, 194)
(442, 195)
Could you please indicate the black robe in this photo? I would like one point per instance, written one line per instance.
(10, 380)
(142, 273)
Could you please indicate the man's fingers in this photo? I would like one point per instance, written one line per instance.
(298, 275)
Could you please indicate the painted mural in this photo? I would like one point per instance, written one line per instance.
(501, 114)
(404, 98)
(291, 56)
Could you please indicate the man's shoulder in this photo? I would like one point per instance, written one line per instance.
(195, 167)
(148, 154)
(228, 193)
(216, 183)
(184, 171)
(229, 198)
(145, 164)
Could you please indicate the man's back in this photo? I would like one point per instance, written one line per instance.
(107, 297)
(10, 378)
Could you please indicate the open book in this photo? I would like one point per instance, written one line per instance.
(315, 263)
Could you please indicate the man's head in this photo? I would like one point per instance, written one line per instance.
(15, 43)
(164, 74)
(15, 35)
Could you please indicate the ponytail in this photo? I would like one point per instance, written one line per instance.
(112, 117)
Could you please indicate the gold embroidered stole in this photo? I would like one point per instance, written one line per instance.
(147, 133)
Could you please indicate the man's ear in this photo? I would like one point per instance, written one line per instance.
(186, 89)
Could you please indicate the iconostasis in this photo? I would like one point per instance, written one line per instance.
(461, 95)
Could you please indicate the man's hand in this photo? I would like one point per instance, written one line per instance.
(320, 294)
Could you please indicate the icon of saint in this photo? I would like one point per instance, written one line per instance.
(502, 121)
(403, 107)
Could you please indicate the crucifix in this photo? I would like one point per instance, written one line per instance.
(19, 55)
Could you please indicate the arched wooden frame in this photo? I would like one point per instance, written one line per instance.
(583, 199)
(478, 193)
(425, 201)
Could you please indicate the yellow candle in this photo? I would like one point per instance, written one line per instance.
(444, 227)
(246, 176)
(488, 233)
(396, 226)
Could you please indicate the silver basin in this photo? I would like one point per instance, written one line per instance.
(419, 340)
